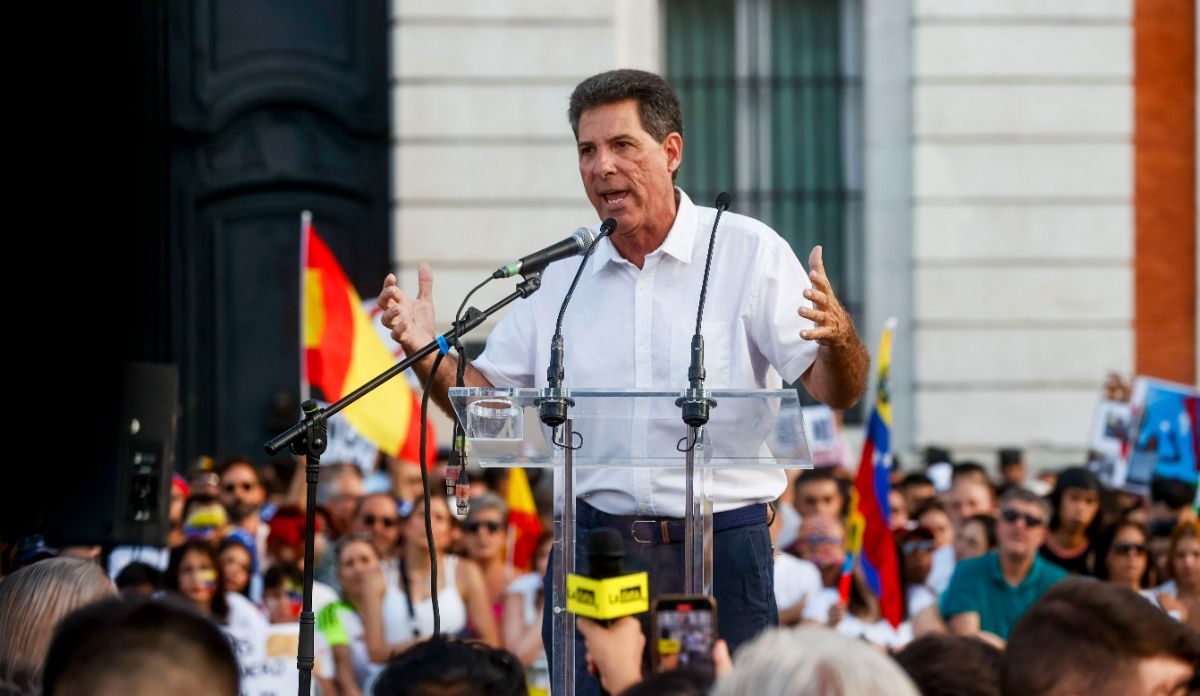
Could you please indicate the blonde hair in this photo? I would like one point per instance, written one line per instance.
(33, 601)
(812, 662)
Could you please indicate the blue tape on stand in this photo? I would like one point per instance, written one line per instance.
(442, 345)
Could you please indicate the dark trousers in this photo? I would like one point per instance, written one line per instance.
(743, 583)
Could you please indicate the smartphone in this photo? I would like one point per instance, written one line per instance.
(684, 629)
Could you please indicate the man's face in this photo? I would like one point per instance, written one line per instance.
(916, 495)
(968, 498)
(379, 520)
(626, 173)
(1021, 528)
(819, 498)
(241, 493)
(1078, 507)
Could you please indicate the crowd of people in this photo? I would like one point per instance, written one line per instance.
(993, 572)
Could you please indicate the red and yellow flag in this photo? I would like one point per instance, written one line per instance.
(524, 525)
(342, 351)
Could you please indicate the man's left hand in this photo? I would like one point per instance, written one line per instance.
(832, 325)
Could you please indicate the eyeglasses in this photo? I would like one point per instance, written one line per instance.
(911, 547)
(387, 522)
(817, 540)
(474, 526)
(244, 485)
(1122, 548)
(1011, 516)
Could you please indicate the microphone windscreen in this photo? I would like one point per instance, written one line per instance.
(723, 201)
(608, 226)
(605, 550)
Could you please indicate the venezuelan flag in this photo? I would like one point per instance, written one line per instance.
(870, 535)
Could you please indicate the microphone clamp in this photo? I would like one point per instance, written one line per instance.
(696, 404)
(552, 408)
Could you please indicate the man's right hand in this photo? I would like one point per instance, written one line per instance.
(410, 320)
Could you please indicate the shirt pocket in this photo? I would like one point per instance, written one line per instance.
(720, 336)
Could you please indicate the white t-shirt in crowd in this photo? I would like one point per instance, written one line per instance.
(919, 597)
(243, 615)
(943, 567)
(795, 579)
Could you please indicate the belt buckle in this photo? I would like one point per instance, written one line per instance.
(633, 531)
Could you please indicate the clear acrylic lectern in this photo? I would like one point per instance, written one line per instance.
(748, 429)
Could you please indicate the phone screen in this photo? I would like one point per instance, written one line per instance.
(685, 629)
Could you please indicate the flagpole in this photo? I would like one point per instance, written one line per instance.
(305, 223)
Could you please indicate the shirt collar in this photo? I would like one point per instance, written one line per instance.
(678, 244)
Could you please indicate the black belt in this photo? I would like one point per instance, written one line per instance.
(669, 530)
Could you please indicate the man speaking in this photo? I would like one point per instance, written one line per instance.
(766, 321)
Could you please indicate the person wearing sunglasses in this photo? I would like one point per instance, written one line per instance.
(916, 563)
(485, 535)
(1123, 556)
(988, 594)
(377, 517)
(242, 494)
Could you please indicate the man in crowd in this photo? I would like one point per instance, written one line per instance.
(766, 318)
(243, 496)
(817, 495)
(970, 495)
(918, 490)
(988, 594)
(139, 648)
(1097, 638)
(1012, 468)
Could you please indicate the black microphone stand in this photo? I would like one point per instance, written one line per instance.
(695, 405)
(307, 438)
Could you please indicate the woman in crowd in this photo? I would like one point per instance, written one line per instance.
(348, 662)
(977, 537)
(1180, 595)
(523, 604)
(237, 565)
(33, 601)
(1123, 557)
(822, 542)
(485, 533)
(463, 599)
(916, 562)
(195, 574)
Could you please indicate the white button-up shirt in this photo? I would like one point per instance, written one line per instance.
(631, 328)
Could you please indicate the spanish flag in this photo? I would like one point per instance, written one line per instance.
(524, 525)
(342, 351)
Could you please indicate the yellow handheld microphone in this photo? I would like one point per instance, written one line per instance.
(606, 593)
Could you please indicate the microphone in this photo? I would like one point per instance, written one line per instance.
(606, 592)
(696, 403)
(579, 242)
(553, 410)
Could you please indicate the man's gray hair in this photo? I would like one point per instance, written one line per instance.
(1027, 496)
(812, 661)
